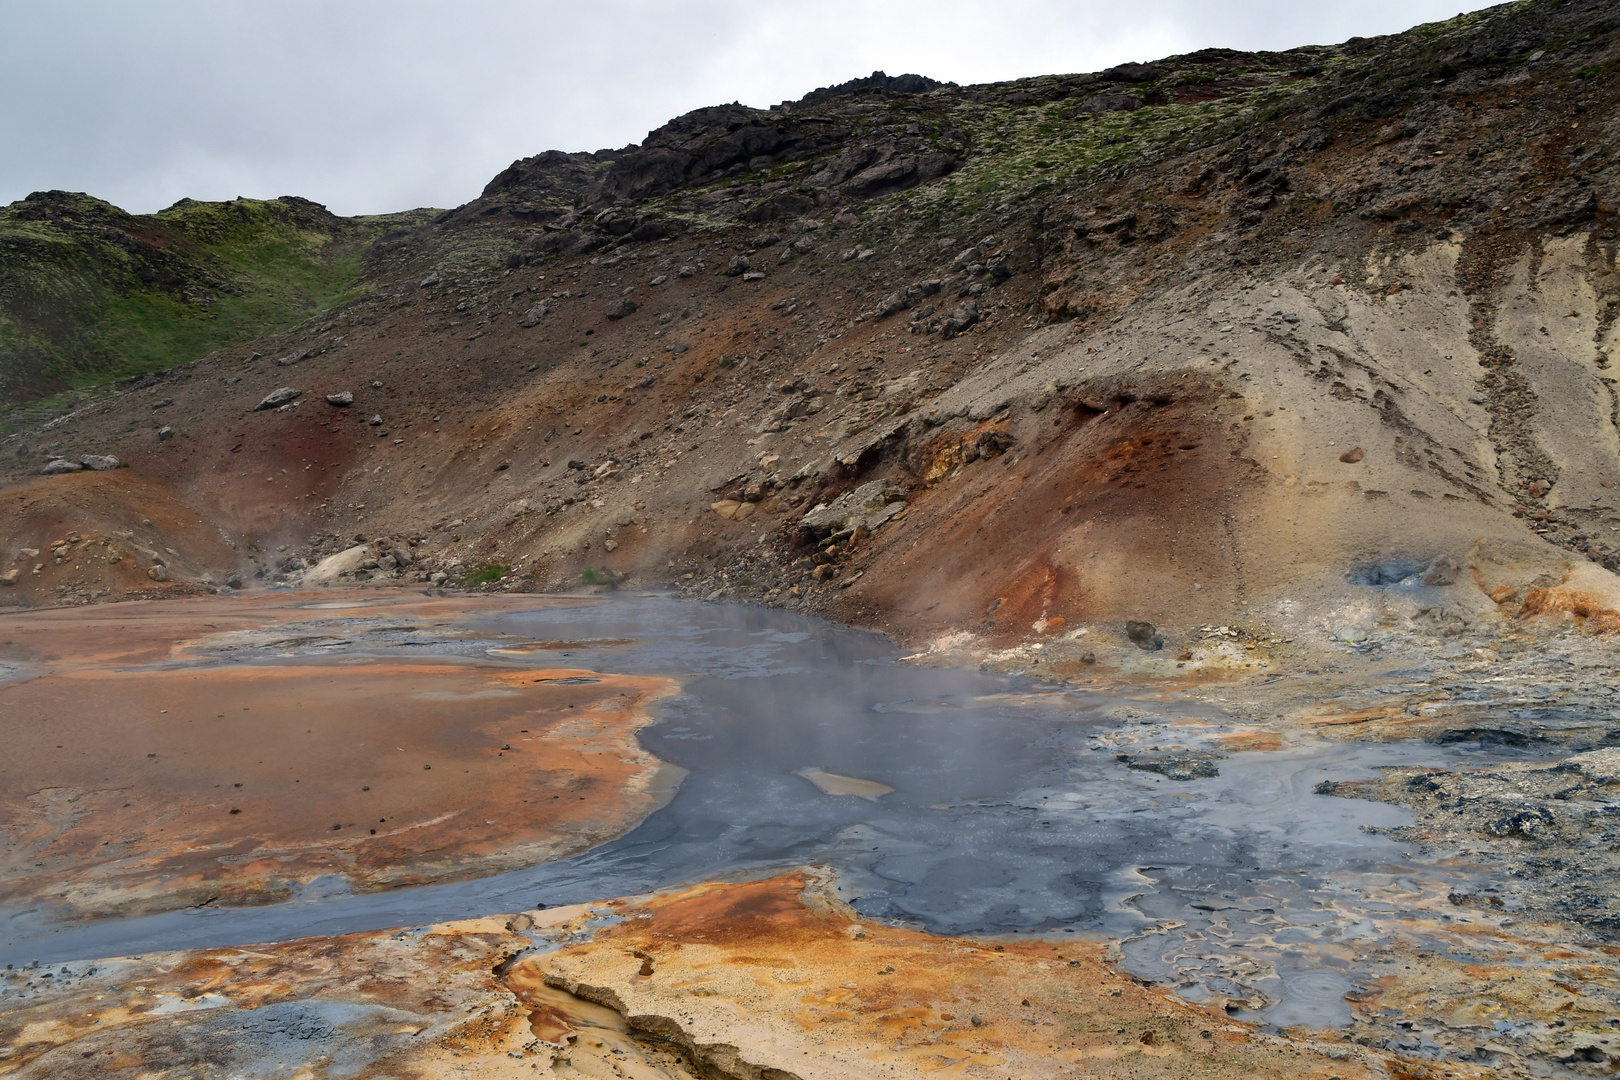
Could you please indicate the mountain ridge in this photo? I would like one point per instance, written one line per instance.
(681, 348)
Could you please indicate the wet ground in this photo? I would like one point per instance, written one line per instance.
(961, 802)
(181, 755)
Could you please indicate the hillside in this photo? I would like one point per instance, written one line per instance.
(90, 293)
(1316, 342)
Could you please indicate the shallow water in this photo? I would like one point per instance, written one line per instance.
(1008, 813)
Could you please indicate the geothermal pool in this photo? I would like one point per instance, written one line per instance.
(958, 801)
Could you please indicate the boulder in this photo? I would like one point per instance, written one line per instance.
(165, 433)
(738, 266)
(342, 399)
(870, 505)
(99, 462)
(330, 569)
(277, 398)
(649, 230)
(1144, 635)
(533, 316)
(960, 319)
(618, 309)
(60, 465)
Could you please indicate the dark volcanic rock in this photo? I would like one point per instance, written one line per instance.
(1176, 766)
(1144, 635)
(875, 83)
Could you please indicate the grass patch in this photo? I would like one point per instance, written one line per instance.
(592, 576)
(89, 293)
(485, 574)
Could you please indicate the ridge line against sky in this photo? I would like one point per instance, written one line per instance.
(372, 107)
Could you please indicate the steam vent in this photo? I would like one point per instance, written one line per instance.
(1096, 575)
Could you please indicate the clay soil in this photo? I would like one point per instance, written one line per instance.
(140, 773)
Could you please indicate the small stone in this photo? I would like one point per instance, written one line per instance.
(275, 399)
(9, 577)
(165, 433)
(1350, 457)
(342, 399)
(292, 358)
(503, 466)
(430, 281)
(738, 266)
(158, 573)
(610, 545)
(376, 421)
(618, 309)
(686, 271)
(976, 1020)
(99, 462)
(533, 316)
(60, 465)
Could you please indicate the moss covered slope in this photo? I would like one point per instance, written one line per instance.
(89, 292)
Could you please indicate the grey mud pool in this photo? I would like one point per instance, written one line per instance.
(957, 801)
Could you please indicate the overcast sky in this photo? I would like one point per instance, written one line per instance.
(373, 106)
